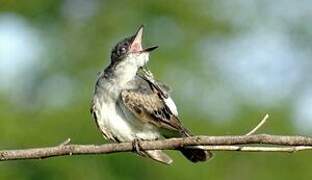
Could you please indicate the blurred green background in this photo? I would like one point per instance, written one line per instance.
(228, 63)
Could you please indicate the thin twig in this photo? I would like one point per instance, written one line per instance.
(215, 143)
(289, 149)
(66, 142)
(258, 126)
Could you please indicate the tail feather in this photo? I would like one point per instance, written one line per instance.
(159, 156)
(196, 153)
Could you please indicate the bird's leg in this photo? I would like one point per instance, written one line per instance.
(136, 146)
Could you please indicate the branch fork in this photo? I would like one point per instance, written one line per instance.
(250, 142)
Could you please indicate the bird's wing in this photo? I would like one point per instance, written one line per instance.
(151, 103)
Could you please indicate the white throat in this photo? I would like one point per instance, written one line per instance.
(128, 67)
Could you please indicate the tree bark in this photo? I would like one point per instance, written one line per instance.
(245, 143)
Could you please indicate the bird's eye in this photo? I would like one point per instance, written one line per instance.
(123, 50)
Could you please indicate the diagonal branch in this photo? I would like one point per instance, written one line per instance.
(259, 143)
(258, 126)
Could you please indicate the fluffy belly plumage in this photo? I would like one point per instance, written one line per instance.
(122, 126)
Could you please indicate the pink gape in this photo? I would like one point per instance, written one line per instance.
(136, 45)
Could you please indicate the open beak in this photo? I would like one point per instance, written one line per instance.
(136, 45)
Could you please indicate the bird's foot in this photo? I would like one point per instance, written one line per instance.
(137, 147)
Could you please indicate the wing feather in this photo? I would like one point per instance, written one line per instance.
(148, 104)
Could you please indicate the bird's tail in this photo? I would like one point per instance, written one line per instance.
(195, 153)
(159, 156)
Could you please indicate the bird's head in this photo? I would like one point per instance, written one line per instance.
(130, 49)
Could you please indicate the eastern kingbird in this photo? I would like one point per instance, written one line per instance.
(130, 105)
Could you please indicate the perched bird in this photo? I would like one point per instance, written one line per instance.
(130, 105)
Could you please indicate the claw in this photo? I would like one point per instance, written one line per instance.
(137, 147)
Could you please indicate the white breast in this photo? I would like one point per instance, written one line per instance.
(112, 121)
(115, 122)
